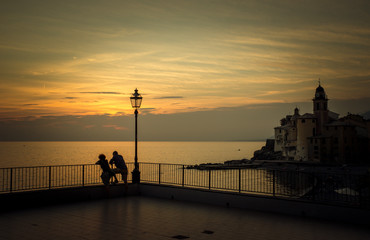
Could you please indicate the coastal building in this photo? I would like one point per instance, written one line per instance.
(322, 136)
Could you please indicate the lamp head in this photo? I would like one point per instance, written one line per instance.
(136, 99)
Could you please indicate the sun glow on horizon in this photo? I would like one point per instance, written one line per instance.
(73, 59)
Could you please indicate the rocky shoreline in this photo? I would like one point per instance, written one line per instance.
(246, 163)
(267, 152)
(243, 163)
(261, 158)
(282, 165)
(266, 158)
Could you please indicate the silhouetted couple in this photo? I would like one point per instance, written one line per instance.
(121, 168)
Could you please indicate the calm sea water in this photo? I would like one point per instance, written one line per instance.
(28, 154)
(24, 154)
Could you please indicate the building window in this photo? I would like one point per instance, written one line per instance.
(303, 120)
(317, 106)
(313, 120)
(314, 132)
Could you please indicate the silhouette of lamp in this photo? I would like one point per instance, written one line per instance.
(136, 99)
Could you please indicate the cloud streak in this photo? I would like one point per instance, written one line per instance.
(108, 93)
(73, 59)
(115, 127)
(169, 97)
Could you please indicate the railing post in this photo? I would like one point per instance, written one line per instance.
(313, 187)
(273, 182)
(240, 180)
(11, 179)
(49, 177)
(83, 175)
(183, 175)
(159, 173)
(209, 179)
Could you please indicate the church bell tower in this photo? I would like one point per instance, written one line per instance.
(320, 109)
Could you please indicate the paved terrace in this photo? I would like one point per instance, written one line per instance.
(147, 217)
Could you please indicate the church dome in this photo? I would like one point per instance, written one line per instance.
(320, 93)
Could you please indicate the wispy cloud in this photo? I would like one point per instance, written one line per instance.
(109, 93)
(169, 97)
(115, 127)
(194, 54)
(30, 104)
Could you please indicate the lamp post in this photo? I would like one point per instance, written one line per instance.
(136, 103)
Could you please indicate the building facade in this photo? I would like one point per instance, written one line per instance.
(322, 136)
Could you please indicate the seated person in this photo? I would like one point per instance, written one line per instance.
(121, 167)
(107, 172)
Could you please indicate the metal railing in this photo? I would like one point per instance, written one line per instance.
(344, 189)
(50, 177)
(242, 180)
(339, 189)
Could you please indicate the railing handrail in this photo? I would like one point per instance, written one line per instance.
(61, 165)
(311, 186)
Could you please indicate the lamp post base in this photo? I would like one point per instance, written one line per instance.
(135, 176)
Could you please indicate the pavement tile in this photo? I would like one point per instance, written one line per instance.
(151, 218)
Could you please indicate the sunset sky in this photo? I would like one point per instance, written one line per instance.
(207, 70)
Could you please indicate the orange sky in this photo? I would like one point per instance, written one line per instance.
(78, 58)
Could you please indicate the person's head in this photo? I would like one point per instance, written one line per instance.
(115, 153)
(102, 157)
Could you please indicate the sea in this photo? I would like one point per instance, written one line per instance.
(28, 154)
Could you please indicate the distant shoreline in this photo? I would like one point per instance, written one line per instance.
(132, 140)
(283, 165)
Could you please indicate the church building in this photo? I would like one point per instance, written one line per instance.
(322, 136)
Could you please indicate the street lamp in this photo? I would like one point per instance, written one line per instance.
(136, 99)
